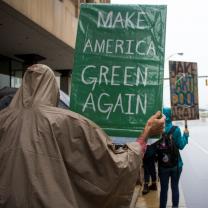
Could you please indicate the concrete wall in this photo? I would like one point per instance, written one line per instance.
(56, 16)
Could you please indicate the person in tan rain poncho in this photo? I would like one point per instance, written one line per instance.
(55, 158)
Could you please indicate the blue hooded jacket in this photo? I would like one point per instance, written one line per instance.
(179, 139)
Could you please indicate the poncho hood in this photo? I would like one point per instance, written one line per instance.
(39, 87)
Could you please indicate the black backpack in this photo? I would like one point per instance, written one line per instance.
(166, 150)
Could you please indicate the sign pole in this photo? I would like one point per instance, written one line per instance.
(186, 126)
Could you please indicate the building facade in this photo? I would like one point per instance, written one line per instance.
(38, 31)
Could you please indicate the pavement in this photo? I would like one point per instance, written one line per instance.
(151, 199)
(136, 195)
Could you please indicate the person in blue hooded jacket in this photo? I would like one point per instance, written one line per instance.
(172, 173)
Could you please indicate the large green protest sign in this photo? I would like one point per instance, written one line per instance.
(184, 90)
(117, 78)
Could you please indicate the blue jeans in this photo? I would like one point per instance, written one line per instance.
(165, 174)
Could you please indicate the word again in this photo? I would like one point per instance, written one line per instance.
(103, 104)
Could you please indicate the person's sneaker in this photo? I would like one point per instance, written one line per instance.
(145, 189)
(153, 187)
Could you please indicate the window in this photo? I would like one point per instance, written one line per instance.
(11, 72)
(16, 73)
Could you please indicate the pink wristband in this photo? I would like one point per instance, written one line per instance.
(142, 143)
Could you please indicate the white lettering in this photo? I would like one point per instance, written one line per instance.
(141, 106)
(141, 21)
(109, 46)
(119, 104)
(92, 80)
(126, 47)
(129, 47)
(143, 78)
(104, 105)
(129, 103)
(126, 76)
(105, 23)
(151, 50)
(128, 22)
(139, 47)
(99, 46)
(88, 45)
(118, 19)
(103, 72)
(119, 44)
(114, 75)
(109, 106)
(123, 20)
(90, 102)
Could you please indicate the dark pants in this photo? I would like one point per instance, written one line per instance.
(174, 175)
(149, 169)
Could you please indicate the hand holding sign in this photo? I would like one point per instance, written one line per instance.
(154, 126)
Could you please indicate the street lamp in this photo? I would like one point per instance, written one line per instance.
(173, 54)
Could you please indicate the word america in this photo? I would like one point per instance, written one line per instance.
(142, 47)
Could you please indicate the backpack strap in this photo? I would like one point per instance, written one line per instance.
(169, 133)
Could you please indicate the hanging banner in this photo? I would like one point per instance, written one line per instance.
(117, 78)
(184, 90)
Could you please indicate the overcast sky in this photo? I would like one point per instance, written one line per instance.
(187, 32)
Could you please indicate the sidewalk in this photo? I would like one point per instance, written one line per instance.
(151, 200)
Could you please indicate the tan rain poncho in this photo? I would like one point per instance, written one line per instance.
(54, 158)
